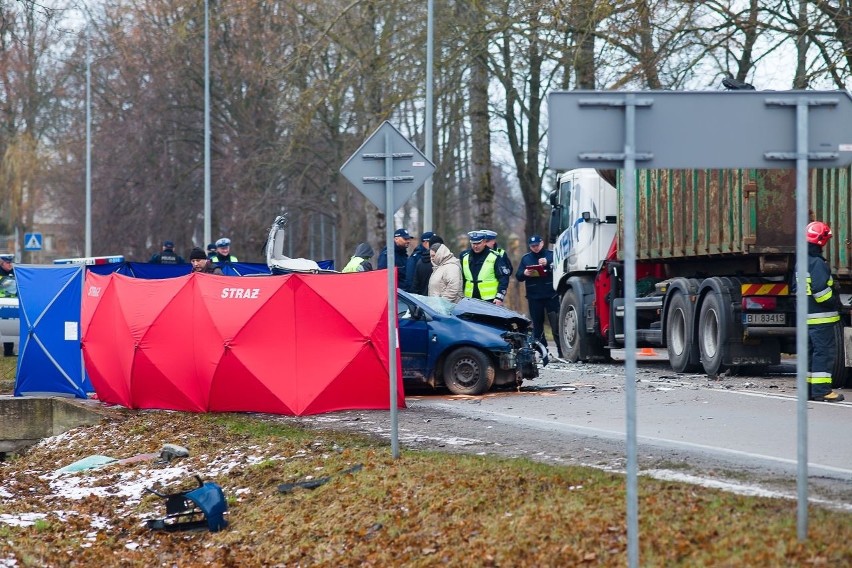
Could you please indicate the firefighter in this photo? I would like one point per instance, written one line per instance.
(823, 317)
(485, 277)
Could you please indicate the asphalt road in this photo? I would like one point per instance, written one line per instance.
(734, 432)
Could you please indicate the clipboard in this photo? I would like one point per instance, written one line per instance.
(537, 268)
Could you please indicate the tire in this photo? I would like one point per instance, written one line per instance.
(840, 375)
(713, 334)
(680, 340)
(571, 330)
(577, 343)
(468, 370)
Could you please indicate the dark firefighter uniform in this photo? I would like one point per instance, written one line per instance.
(822, 320)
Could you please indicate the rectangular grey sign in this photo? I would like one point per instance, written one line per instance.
(698, 129)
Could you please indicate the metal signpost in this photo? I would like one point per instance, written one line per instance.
(667, 129)
(388, 169)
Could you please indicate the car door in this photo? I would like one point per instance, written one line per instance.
(413, 340)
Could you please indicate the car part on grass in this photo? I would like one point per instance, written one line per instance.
(317, 481)
(202, 507)
(172, 451)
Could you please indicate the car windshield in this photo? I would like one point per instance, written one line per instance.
(438, 304)
(8, 287)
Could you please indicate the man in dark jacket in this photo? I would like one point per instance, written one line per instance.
(401, 238)
(535, 270)
(200, 263)
(423, 267)
(167, 255)
(420, 252)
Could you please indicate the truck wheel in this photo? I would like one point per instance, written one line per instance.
(571, 330)
(712, 334)
(680, 341)
(468, 371)
(841, 375)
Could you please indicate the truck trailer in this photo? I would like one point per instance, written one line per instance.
(715, 264)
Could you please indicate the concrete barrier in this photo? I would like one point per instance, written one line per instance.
(26, 420)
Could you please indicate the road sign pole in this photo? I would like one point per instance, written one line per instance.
(630, 327)
(387, 156)
(389, 230)
(801, 318)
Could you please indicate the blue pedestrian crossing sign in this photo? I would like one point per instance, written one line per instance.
(32, 241)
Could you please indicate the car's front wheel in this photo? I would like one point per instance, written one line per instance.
(468, 371)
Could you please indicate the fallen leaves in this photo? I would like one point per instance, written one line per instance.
(422, 509)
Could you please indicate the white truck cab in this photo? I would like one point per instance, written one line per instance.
(587, 206)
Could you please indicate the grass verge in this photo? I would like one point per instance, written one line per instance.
(423, 509)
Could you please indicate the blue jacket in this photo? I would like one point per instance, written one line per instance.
(400, 259)
(538, 287)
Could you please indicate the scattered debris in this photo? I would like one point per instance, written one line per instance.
(316, 482)
(204, 506)
(172, 451)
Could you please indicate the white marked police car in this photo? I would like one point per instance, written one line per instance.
(9, 312)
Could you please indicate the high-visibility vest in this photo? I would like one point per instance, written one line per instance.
(353, 264)
(231, 258)
(487, 283)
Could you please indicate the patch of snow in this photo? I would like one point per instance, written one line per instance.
(5, 494)
(737, 488)
(21, 519)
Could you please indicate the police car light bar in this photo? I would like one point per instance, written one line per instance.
(90, 260)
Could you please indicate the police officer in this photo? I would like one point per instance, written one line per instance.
(223, 251)
(401, 239)
(484, 276)
(6, 269)
(536, 271)
(167, 255)
(823, 317)
(491, 242)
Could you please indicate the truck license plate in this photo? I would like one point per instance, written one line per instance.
(765, 319)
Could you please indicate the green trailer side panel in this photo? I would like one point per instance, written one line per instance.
(694, 215)
(830, 196)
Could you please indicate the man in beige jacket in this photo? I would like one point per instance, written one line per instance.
(446, 280)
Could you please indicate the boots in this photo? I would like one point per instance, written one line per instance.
(553, 320)
(831, 396)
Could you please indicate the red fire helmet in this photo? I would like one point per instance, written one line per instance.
(818, 233)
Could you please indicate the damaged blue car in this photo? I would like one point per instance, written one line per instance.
(469, 347)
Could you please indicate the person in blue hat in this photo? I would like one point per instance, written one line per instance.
(491, 242)
(223, 251)
(401, 239)
(536, 272)
(485, 277)
(167, 255)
